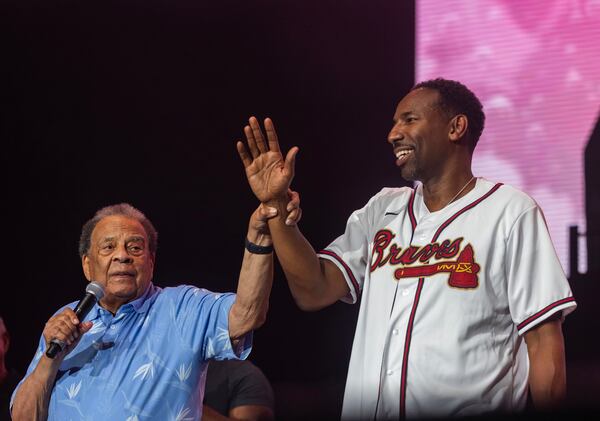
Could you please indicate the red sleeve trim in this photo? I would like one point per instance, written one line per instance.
(544, 311)
(346, 267)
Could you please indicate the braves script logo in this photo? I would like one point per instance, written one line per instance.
(463, 270)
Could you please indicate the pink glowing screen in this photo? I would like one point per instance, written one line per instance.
(535, 65)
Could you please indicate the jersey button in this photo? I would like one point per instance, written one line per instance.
(395, 331)
(405, 292)
(390, 372)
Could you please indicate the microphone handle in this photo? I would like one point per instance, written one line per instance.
(54, 348)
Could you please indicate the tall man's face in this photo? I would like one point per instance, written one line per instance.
(119, 259)
(419, 135)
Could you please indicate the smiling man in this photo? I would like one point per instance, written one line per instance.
(461, 293)
(142, 351)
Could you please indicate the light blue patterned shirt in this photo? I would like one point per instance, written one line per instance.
(148, 362)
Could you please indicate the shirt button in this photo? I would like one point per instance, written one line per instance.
(405, 292)
(113, 327)
(395, 331)
(390, 372)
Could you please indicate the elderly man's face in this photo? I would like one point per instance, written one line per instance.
(119, 259)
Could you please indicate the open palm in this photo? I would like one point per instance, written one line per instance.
(269, 175)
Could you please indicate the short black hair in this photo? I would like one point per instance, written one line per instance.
(456, 98)
(122, 209)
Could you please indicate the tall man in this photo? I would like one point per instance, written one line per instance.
(141, 353)
(462, 292)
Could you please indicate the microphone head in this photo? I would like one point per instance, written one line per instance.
(96, 290)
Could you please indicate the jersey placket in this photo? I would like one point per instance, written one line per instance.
(113, 325)
(394, 365)
(391, 370)
(427, 227)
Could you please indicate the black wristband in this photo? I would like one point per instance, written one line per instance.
(256, 249)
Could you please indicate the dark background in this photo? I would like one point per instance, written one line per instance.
(142, 101)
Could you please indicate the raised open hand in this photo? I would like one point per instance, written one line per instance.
(269, 175)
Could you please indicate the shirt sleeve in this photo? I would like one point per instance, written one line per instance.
(350, 251)
(36, 358)
(203, 319)
(537, 286)
(38, 355)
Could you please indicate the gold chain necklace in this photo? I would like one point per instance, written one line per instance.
(460, 191)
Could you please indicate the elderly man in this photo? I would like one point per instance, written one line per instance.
(462, 292)
(142, 351)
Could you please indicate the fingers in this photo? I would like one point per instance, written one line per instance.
(257, 134)
(294, 200)
(265, 213)
(251, 142)
(66, 332)
(256, 141)
(245, 157)
(258, 220)
(63, 327)
(271, 135)
(290, 161)
(85, 327)
(294, 217)
(293, 207)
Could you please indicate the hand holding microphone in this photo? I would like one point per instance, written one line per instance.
(64, 329)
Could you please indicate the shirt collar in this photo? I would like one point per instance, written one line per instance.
(139, 305)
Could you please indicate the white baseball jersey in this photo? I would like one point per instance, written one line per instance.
(445, 299)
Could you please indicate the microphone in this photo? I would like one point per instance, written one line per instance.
(93, 293)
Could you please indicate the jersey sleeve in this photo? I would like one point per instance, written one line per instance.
(203, 320)
(350, 251)
(537, 286)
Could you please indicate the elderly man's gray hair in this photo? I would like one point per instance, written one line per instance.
(122, 209)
